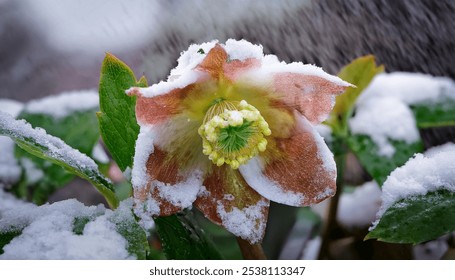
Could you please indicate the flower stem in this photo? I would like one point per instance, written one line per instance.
(340, 160)
(251, 251)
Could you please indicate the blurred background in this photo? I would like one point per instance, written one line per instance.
(50, 46)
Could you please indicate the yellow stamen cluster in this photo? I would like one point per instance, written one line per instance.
(233, 133)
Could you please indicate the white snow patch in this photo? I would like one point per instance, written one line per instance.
(422, 174)
(99, 154)
(56, 148)
(358, 209)
(32, 172)
(410, 88)
(191, 58)
(383, 119)
(64, 104)
(311, 250)
(47, 232)
(325, 131)
(252, 172)
(248, 223)
(10, 171)
(9, 201)
(11, 107)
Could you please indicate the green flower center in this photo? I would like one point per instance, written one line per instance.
(233, 133)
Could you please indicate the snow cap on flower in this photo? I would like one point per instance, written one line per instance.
(230, 130)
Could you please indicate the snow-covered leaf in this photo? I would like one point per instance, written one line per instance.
(417, 219)
(77, 128)
(377, 165)
(359, 72)
(117, 117)
(39, 143)
(182, 239)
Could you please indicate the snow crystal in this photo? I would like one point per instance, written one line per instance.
(248, 223)
(56, 148)
(358, 209)
(64, 104)
(47, 232)
(383, 119)
(422, 174)
(410, 88)
(192, 57)
(254, 176)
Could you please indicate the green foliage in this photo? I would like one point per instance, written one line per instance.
(182, 239)
(79, 130)
(417, 219)
(378, 166)
(117, 120)
(441, 113)
(134, 234)
(6, 237)
(359, 72)
(47, 151)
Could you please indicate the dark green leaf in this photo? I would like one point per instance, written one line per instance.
(379, 167)
(79, 224)
(42, 145)
(417, 219)
(117, 120)
(6, 237)
(182, 239)
(432, 115)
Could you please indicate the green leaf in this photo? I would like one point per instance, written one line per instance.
(378, 166)
(134, 234)
(182, 240)
(417, 219)
(78, 129)
(117, 120)
(441, 113)
(6, 237)
(45, 146)
(359, 72)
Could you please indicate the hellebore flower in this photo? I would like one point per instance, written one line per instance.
(230, 130)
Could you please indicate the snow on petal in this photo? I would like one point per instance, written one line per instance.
(243, 50)
(304, 173)
(160, 188)
(424, 173)
(227, 200)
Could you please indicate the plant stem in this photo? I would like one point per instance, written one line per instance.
(251, 251)
(340, 160)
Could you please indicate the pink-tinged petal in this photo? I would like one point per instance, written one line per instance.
(161, 186)
(155, 110)
(298, 171)
(234, 69)
(313, 96)
(227, 200)
(214, 61)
